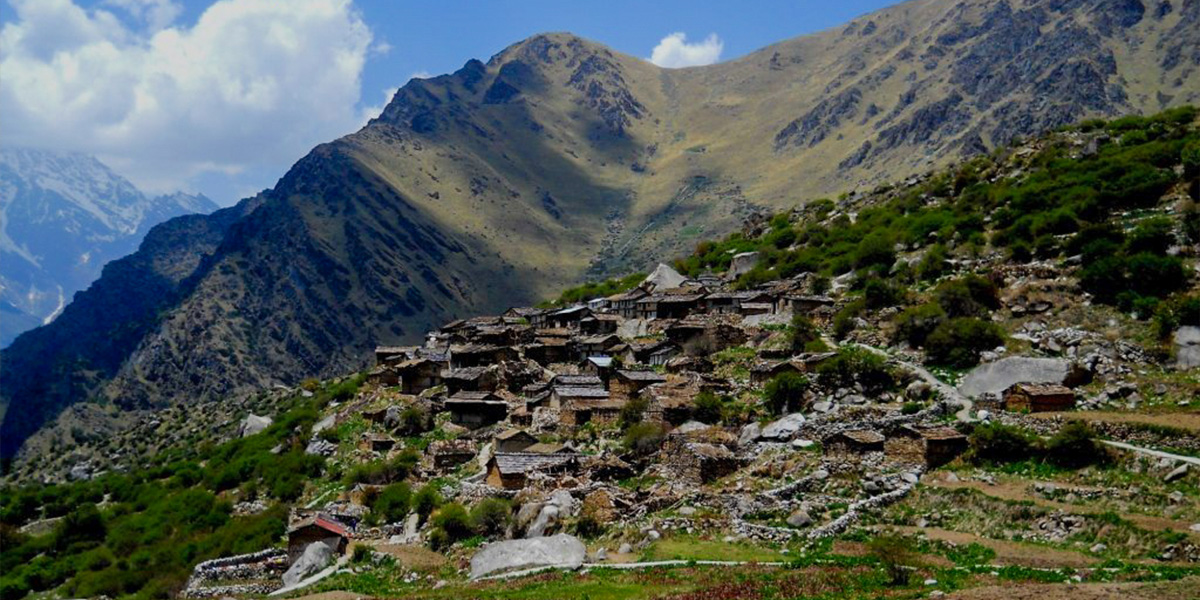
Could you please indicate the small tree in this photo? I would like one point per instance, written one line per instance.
(709, 408)
(491, 517)
(959, 342)
(426, 500)
(633, 412)
(644, 438)
(804, 332)
(897, 556)
(999, 443)
(454, 520)
(916, 323)
(785, 393)
(1074, 447)
(392, 502)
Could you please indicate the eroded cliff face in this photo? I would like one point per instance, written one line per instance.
(560, 159)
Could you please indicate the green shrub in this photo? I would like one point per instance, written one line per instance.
(491, 517)
(644, 439)
(897, 556)
(934, 264)
(633, 412)
(857, 365)
(959, 342)
(454, 520)
(1074, 447)
(970, 296)
(844, 320)
(785, 392)
(414, 420)
(426, 500)
(910, 408)
(709, 408)
(393, 502)
(996, 443)
(362, 554)
(803, 333)
(914, 324)
(589, 527)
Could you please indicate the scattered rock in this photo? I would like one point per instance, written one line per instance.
(315, 558)
(560, 550)
(625, 548)
(998, 376)
(253, 424)
(749, 434)
(799, 518)
(1187, 347)
(1179, 473)
(784, 428)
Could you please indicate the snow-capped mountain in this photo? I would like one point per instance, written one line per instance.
(62, 217)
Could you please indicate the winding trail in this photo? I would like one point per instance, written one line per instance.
(942, 388)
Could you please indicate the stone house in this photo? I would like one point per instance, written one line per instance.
(1038, 397)
(376, 442)
(568, 318)
(476, 409)
(802, 304)
(675, 303)
(480, 355)
(599, 324)
(470, 379)
(930, 446)
(578, 405)
(384, 375)
(513, 440)
(625, 304)
(858, 441)
(419, 374)
(391, 354)
(317, 529)
(761, 373)
(699, 462)
(654, 353)
(732, 302)
(548, 350)
(624, 385)
(595, 345)
(445, 455)
(511, 470)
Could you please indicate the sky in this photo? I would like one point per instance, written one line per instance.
(223, 97)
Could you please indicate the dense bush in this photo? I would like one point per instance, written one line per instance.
(857, 365)
(599, 289)
(426, 500)
(785, 393)
(970, 296)
(633, 412)
(643, 439)
(1075, 446)
(996, 443)
(453, 519)
(491, 517)
(959, 342)
(392, 502)
(803, 333)
(914, 324)
(708, 408)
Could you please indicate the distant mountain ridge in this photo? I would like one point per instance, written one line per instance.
(62, 216)
(560, 159)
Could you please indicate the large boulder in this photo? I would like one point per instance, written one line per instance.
(664, 278)
(559, 550)
(316, 557)
(253, 424)
(995, 377)
(742, 263)
(783, 429)
(1187, 347)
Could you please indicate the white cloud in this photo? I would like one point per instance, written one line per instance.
(154, 14)
(674, 51)
(251, 83)
(370, 112)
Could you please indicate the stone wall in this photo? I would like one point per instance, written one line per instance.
(258, 573)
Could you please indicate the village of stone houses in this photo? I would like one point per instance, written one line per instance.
(965, 424)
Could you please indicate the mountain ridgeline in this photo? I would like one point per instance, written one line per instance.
(560, 160)
(62, 217)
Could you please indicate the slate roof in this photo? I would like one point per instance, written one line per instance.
(581, 392)
(644, 376)
(577, 381)
(511, 463)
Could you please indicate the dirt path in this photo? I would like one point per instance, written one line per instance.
(1017, 491)
(1178, 420)
(1183, 589)
(1010, 553)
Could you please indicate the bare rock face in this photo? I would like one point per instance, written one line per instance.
(253, 424)
(561, 550)
(316, 557)
(1187, 347)
(995, 377)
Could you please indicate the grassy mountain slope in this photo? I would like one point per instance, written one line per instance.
(560, 159)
